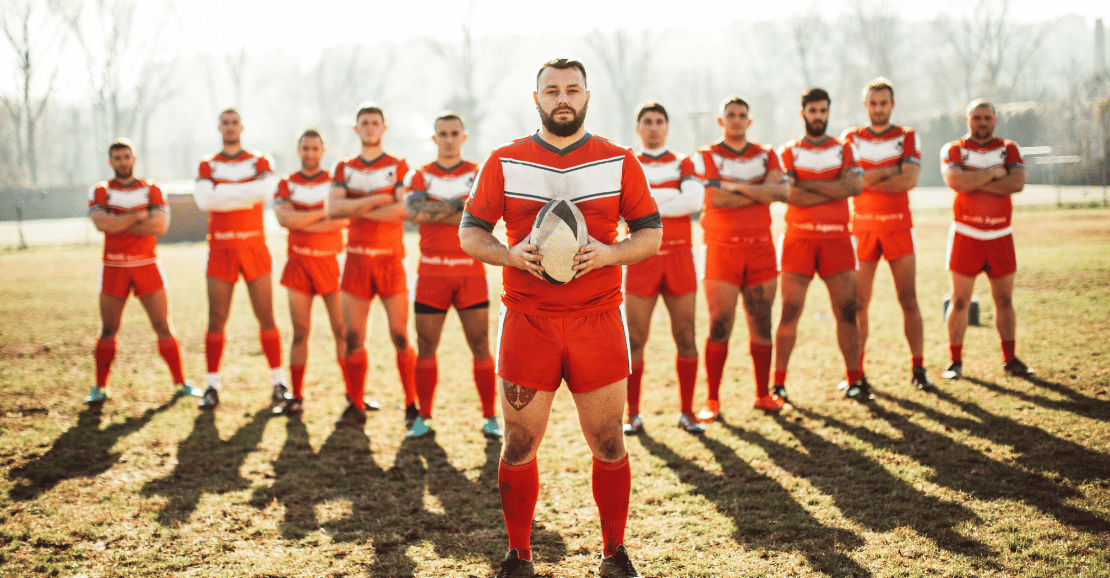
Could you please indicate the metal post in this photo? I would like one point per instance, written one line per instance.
(19, 227)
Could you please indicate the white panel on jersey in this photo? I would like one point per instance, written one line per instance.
(881, 150)
(368, 181)
(129, 199)
(658, 173)
(310, 195)
(984, 160)
(233, 172)
(746, 170)
(818, 160)
(447, 188)
(593, 180)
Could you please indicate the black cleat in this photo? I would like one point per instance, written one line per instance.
(780, 390)
(618, 565)
(209, 400)
(954, 371)
(291, 408)
(1017, 369)
(921, 381)
(281, 394)
(514, 567)
(352, 417)
(411, 414)
(859, 391)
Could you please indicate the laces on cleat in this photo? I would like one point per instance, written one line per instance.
(492, 429)
(954, 371)
(634, 426)
(690, 424)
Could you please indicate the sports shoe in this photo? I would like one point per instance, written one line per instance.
(859, 391)
(770, 403)
(690, 424)
(411, 413)
(420, 428)
(210, 399)
(352, 417)
(780, 390)
(96, 396)
(492, 429)
(514, 567)
(1017, 369)
(618, 565)
(712, 411)
(281, 394)
(292, 407)
(634, 426)
(370, 404)
(187, 389)
(921, 381)
(954, 371)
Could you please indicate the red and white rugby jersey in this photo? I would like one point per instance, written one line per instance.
(603, 179)
(305, 193)
(721, 163)
(362, 178)
(876, 210)
(440, 253)
(824, 161)
(977, 208)
(124, 249)
(665, 174)
(228, 229)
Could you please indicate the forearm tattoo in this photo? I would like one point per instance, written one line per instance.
(519, 396)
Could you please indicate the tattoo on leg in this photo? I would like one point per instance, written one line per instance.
(519, 396)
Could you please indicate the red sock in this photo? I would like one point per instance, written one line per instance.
(171, 352)
(485, 380)
(342, 370)
(104, 354)
(296, 373)
(213, 350)
(780, 377)
(271, 346)
(761, 365)
(853, 375)
(861, 359)
(356, 378)
(1008, 351)
(715, 356)
(957, 352)
(426, 374)
(612, 484)
(917, 361)
(687, 368)
(520, 489)
(635, 379)
(406, 366)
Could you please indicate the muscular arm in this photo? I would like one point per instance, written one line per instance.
(898, 179)
(420, 209)
(483, 246)
(225, 197)
(773, 188)
(338, 206)
(110, 224)
(637, 246)
(392, 211)
(156, 223)
(291, 218)
(802, 197)
(849, 184)
(724, 197)
(1013, 182)
(961, 179)
(682, 201)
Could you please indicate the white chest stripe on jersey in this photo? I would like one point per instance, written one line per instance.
(879, 151)
(309, 194)
(818, 160)
(658, 173)
(746, 170)
(447, 188)
(129, 199)
(984, 160)
(524, 180)
(232, 172)
(369, 181)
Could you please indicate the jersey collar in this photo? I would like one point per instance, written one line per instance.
(453, 168)
(564, 151)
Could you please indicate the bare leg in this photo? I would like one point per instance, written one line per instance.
(261, 293)
(638, 309)
(794, 287)
(962, 289)
(300, 312)
(682, 310)
(842, 298)
(864, 292)
(904, 272)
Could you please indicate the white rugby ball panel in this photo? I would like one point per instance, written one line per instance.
(558, 232)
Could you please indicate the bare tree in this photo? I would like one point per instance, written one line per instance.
(809, 33)
(879, 29)
(344, 76)
(625, 58)
(34, 38)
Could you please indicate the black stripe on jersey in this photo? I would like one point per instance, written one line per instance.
(595, 196)
(561, 152)
(563, 171)
(469, 220)
(652, 221)
(516, 195)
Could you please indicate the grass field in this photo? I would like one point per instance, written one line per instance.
(992, 477)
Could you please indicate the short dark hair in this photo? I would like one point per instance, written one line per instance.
(815, 95)
(369, 108)
(879, 83)
(561, 63)
(310, 133)
(232, 110)
(734, 99)
(652, 106)
(450, 115)
(120, 143)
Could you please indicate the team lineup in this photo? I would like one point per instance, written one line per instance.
(590, 332)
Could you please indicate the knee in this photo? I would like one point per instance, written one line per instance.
(719, 328)
(908, 302)
(1003, 302)
(519, 445)
(610, 447)
(847, 312)
(478, 344)
(354, 340)
(400, 340)
(300, 334)
(960, 303)
(790, 313)
(108, 332)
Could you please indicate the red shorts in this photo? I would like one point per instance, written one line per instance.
(589, 352)
(970, 256)
(118, 281)
(366, 277)
(806, 256)
(441, 292)
(873, 245)
(226, 264)
(745, 265)
(311, 275)
(671, 274)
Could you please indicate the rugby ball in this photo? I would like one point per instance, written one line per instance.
(558, 232)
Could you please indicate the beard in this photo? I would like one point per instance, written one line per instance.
(566, 128)
(121, 177)
(816, 128)
(880, 120)
(231, 141)
(982, 134)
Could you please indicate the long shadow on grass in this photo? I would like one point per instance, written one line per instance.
(1080, 404)
(866, 492)
(206, 465)
(765, 514)
(82, 451)
(968, 470)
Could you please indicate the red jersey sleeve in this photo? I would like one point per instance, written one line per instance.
(851, 159)
(786, 157)
(910, 152)
(282, 192)
(487, 200)
(636, 202)
(204, 171)
(416, 183)
(773, 163)
(1013, 156)
(157, 200)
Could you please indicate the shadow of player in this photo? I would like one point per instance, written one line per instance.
(206, 465)
(82, 451)
(765, 514)
(1078, 404)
